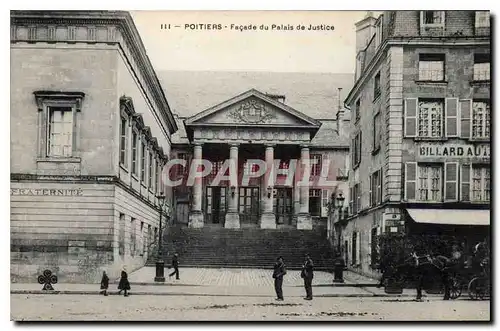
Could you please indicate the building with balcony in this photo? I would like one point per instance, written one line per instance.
(419, 130)
(91, 131)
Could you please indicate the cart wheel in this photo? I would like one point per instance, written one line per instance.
(475, 288)
(455, 288)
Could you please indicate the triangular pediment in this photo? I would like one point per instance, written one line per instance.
(252, 108)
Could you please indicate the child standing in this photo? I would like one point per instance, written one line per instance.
(124, 284)
(104, 283)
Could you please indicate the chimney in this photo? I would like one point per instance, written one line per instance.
(364, 31)
(340, 112)
(277, 97)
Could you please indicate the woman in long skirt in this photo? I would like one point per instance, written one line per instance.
(124, 284)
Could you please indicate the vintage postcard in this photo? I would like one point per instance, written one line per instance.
(250, 165)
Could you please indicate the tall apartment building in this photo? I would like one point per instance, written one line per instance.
(420, 129)
(90, 133)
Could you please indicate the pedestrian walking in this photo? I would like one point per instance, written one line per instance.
(308, 274)
(104, 283)
(279, 272)
(124, 284)
(175, 265)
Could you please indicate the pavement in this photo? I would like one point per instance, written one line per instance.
(29, 307)
(225, 282)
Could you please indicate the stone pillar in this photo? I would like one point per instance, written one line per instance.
(196, 213)
(304, 220)
(232, 215)
(268, 219)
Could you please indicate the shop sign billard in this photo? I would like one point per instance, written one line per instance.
(455, 150)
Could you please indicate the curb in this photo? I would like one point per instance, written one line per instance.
(40, 292)
(200, 285)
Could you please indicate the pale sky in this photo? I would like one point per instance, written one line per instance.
(272, 50)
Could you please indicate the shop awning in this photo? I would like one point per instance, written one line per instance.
(451, 216)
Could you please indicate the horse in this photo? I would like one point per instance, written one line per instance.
(423, 266)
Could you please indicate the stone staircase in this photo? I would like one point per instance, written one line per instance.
(248, 247)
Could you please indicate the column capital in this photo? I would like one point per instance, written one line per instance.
(234, 145)
(305, 146)
(270, 145)
(197, 144)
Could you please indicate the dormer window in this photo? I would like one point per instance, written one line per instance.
(432, 18)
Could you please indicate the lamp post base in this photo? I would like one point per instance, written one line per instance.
(160, 271)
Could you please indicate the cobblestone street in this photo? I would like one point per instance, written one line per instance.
(193, 308)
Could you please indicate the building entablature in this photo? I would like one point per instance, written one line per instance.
(251, 117)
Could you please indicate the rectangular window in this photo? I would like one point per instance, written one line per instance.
(376, 188)
(356, 150)
(123, 141)
(181, 171)
(432, 18)
(315, 202)
(431, 67)
(378, 33)
(480, 119)
(482, 19)
(430, 118)
(143, 239)
(376, 86)
(354, 247)
(315, 160)
(60, 132)
(482, 67)
(159, 188)
(150, 170)
(377, 131)
(357, 110)
(356, 205)
(430, 182)
(480, 183)
(143, 161)
(135, 139)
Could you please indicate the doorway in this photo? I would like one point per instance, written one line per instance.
(283, 205)
(216, 202)
(248, 206)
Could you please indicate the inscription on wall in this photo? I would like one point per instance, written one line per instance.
(455, 150)
(46, 192)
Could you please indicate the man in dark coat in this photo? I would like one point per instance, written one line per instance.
(308, 275)
(104, 283)
(124, 284)
(175, 265)
(279, 272)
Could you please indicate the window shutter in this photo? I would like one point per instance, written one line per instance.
(372, 191)
(351, 195)
(324, 202)
(380, 181)
(451, 181)
(358, 247)
(465, 182)
(359, 147)
(410, 181)
(410, 117)
(451, 113)
(358, 198)
(465, 118)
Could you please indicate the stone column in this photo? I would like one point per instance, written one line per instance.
(196, 213)
(304, 221)
(232, 215)
(268, 219)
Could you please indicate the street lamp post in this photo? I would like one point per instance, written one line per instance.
(160, 264)
(340, 203)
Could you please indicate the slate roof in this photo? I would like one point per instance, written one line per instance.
(314, 94)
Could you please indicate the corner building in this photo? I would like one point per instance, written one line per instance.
(419, 130)
(91, 131)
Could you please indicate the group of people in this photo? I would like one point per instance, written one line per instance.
(307, 273)
(124, 284)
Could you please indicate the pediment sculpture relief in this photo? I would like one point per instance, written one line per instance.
(251, 111)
